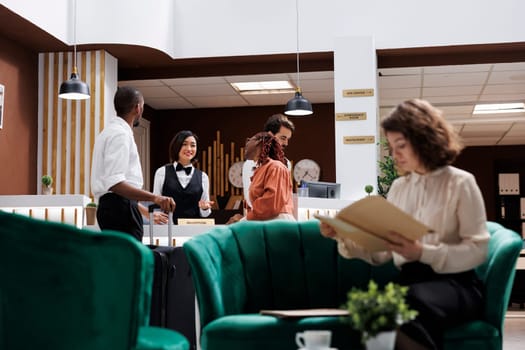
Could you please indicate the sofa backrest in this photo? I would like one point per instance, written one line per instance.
(65, 288)
(250, 265)
(498, 271)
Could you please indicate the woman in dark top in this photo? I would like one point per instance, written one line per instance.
(187, 185)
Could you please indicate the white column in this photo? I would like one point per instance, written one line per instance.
(355, 67)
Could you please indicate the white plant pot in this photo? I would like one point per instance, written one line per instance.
(382, 341)
(47, 190)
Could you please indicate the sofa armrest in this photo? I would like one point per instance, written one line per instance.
(498, 271)
(217, 273)
(155, 338)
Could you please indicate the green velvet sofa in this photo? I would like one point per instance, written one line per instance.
(63, 288)
(243, 268)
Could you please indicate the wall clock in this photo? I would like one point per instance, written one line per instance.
(235, 174)
(306, 170)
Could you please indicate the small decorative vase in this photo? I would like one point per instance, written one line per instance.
(382, 341)
(91, 215)
(47, 190)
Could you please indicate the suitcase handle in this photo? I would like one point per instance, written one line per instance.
(151, 209)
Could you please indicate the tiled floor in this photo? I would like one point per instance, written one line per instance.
(514, 332)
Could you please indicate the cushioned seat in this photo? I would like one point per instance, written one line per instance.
(243, 268)
(64, 288)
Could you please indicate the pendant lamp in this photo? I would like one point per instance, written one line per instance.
(298, 106)
(74, 88)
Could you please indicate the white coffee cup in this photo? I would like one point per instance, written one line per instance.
(314, 339)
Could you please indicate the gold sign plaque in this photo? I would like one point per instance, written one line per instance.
(202, 221)
(358, 92)
(353, 140)
(350, 116)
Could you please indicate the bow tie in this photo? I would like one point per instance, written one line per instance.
(187, 169)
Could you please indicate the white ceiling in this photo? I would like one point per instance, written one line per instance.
(453, 89)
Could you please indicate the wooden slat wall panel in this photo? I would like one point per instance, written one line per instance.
(54, 118)
(216, 163)
(83, 124)
(45, 123)
(72, 149)
(69, 127)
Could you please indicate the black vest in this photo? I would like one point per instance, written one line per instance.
(186, 199)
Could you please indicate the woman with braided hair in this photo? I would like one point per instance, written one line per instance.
(271, 183)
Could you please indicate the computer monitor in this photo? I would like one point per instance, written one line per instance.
(322, 189)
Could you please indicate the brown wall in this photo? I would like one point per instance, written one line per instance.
(313, 137)
(18, 137)
(485, 163)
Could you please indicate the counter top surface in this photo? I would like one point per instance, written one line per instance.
(53, 200)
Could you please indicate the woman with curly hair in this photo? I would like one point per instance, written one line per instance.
(439, 267)
(271, 186)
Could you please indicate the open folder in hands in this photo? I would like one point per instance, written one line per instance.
(369, 221)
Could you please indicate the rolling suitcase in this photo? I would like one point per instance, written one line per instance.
(173, 294)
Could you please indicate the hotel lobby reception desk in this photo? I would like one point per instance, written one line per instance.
(62, 208)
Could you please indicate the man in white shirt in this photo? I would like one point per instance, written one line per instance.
(280, 127)
(116, 173)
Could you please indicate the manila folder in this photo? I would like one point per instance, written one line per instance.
(369, 221)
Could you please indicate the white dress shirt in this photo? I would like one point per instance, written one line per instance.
(449, 201)
(247, 172)
(115, 158)
(184, 180)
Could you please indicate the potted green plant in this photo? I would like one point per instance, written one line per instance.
(377, 313)
(388, 171)
(47, 183)
(91, 213)
(369, 189)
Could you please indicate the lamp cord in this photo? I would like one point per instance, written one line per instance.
(75, 36)
(297, 43)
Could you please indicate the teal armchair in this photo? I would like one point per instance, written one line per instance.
(243, 268)
(497, 273)
(65, 288)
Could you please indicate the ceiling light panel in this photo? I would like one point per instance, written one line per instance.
(264, 87)
(497, 108)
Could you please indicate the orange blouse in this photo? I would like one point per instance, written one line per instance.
(270, 191)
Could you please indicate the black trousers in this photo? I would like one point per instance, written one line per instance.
(117, 213)
(442, 300)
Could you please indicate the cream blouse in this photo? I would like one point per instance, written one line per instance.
(450, 202)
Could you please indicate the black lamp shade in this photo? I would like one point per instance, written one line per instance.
(298, 106)
(74, 89)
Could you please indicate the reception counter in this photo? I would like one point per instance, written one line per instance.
(63, 208)
(180, 233)
(70, 209)
(306, 207)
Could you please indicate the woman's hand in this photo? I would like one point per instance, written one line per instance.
(234, 219)
(205, 205)
(327, 230)
(160, 218)
(410, 250)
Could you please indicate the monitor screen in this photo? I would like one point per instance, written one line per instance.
(323, 189)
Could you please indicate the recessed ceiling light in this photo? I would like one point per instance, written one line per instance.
(493, 108)
(264, 87)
